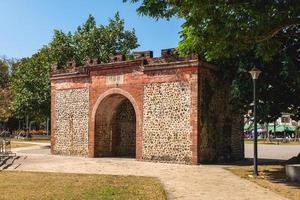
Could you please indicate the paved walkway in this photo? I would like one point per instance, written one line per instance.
(180, 181)
(276, 152)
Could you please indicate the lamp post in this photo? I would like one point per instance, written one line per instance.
(255, 74)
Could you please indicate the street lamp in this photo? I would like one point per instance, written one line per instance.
(255, 74)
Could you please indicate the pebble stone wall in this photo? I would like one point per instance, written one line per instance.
(166, 122)
(71, 107)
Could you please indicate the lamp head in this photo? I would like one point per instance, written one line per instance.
(254, 73)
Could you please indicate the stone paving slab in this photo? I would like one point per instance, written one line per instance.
(185, 182)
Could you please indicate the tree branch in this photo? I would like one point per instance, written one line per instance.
(274, 32)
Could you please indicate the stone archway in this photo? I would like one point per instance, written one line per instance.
(115, 127)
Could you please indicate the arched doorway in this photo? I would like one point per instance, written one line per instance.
(115, 127)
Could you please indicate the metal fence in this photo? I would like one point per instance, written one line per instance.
(5, 145)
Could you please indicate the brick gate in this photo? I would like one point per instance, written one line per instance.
(147, 108)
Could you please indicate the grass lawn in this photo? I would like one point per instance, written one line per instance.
(46, 186)
(15, 144)
(271, 177)
(249, 141)
(31, 140)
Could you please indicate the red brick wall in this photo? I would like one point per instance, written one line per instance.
(135, 78)
(134, 86)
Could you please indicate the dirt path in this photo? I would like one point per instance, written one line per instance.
(180, 181)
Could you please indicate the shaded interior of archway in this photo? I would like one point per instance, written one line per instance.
(115, 127)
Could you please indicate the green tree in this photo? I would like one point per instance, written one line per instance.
(4, 91)
(4, 73)
(61, 48)
(30, 87)
(30, 84)
(223, 29)
(238, 35)
(92, 41)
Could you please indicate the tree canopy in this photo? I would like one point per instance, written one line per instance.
(4, 73)
(30, 87)
(4, 92)
(224, 29)
(92, 41)
(238, 35)
(30, 84)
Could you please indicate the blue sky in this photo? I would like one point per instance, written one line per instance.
(27, 25)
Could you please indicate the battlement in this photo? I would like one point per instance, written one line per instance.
(141, 58)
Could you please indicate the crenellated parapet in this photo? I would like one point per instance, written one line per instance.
(143, 55)
(92, 61)
(143, 58)
(70, 68)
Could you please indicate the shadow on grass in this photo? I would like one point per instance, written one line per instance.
(277, 175)
(8, 161)
(272, 170)
(249, 162)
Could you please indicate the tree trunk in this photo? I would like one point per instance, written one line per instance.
(27, 123)
(47, 126)
(268, 134)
